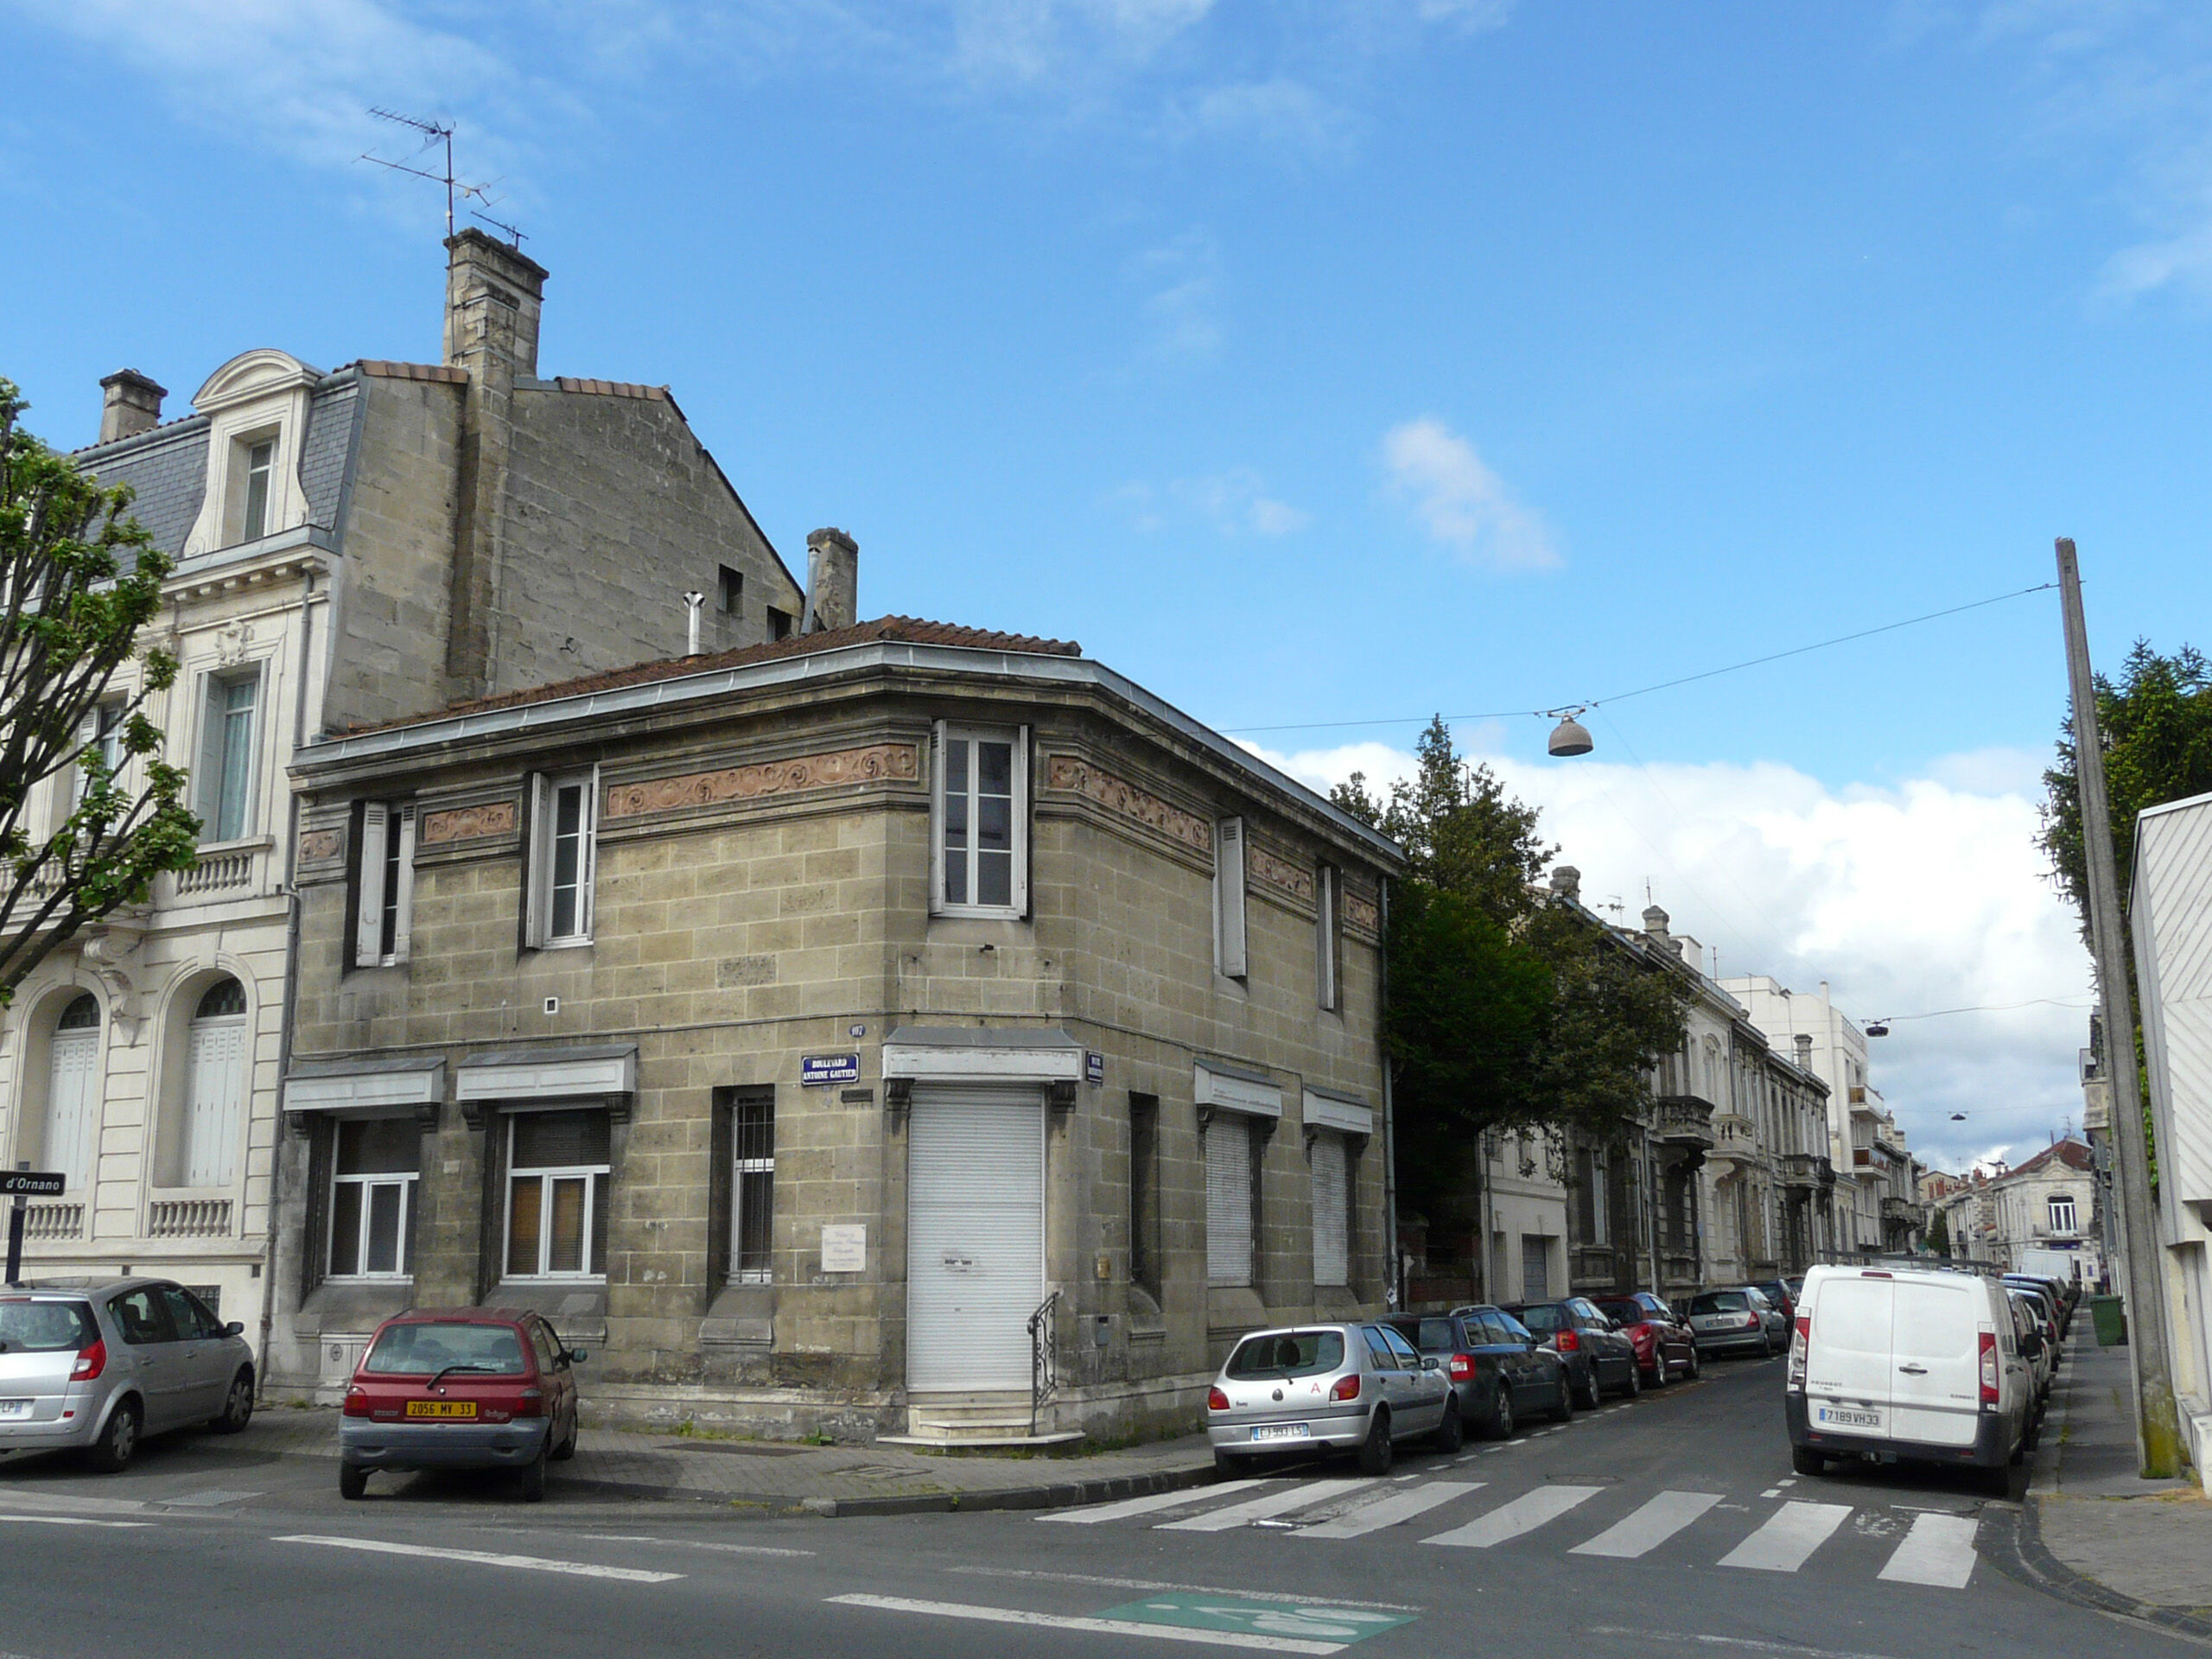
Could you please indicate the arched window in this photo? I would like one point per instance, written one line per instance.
(72, 1094)
(214, 1086)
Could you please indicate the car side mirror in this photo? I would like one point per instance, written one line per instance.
(1431, 1362)
(235, 1328)
(574, 1356)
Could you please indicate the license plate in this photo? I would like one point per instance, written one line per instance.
(1282, 1431)
(1844, 1417)
(14, 1407)
(447, 1408)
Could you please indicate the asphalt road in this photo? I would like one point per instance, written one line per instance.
(1668, 1527)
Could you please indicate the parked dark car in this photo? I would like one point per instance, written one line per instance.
(1777, 1291)
(1499, 1374)
(460, 1387)
(1598, 1357)
(1664, 1347)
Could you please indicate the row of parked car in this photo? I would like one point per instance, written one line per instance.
(1367, 1388)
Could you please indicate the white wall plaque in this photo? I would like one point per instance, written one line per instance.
(844, 1247)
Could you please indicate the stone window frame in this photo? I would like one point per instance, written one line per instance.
(598, 1191)
(546, 789)
(1018, 738)
(212, 770)
(1232, 956)
(2053, 1204)
(411, 1198)
(753, 1152)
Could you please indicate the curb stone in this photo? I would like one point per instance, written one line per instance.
(2023, 1556)
(1059, 1495)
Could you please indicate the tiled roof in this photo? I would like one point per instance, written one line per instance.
(613, 388)
(906, 630)
(2072, 1153)
(441, 372)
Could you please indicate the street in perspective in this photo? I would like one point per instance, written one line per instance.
(1476, 933)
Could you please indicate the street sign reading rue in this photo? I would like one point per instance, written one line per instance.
(32, 1183)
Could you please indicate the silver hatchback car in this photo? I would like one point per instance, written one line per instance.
(1316, 1387)
(96, 1364)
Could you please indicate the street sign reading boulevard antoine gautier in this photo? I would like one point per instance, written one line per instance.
(31, 1182)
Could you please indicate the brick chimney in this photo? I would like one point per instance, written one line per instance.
(493, 296)
(129, 404)
(833, 563)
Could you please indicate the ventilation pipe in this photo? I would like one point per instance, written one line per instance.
(692, 605)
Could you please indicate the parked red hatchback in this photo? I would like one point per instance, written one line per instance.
(460, 1387)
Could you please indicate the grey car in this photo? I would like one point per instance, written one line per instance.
(1739, 1320)
(1310, 1387)
(96, 1364)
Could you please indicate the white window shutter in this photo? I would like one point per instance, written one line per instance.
(588, 854)
(937, 816)
(368, 918)
(406, 878)
(538, 859)
(1331, 1213)
(1229, 897)
(1020, 893)
(1228, 1200)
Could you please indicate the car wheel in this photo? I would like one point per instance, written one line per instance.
(1450, 1433)
(1805, 1461)
(1592, 1394)
(1501, 1414)
(1659, 1377)
(1564, 1410)
(352, 1484)
(1225, 1467)
(238, 1404)
(111, 1453)
(567, 1449)
(1376, 1451)
(1634, 1386)
(533, 1476)
(1689, 1367)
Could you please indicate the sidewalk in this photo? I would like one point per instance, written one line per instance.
(2113, 1539)
(779, 1477)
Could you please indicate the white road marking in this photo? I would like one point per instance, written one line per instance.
(1771, 1492)
(1745, 1642)
(1300, 1496)
(1649, 1527)
(1146, 1505)
(687, 1543)
(211, 1498)
(71, 1520)
(1389, 1511)
(483, 1558)
(1524, 1514)
(1094, 1626)
(1790, 1534)
(1938, 1550)
(1158, 1584)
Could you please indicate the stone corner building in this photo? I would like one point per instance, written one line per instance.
(898, 1029)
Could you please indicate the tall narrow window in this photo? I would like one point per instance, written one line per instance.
(103, 736)
(1228, 953)
(557, 1195)
(563, 853)
(753, 1188)
(730, 591)
(1331, 1211)
(385, 894)
(73, 1097)
(226, 754)
(260, 458)
(979, 866)
(779, 624)
(1590, 1178)
(2061, 1215)
(1144, 1192)
(1327, 916)
(372, 1199)
(1228, 1200)
(215, 1087)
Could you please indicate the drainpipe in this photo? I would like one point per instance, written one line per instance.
(1393, 1291)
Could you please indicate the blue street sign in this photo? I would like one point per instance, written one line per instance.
(817, 1071)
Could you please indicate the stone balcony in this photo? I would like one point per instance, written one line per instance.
(1735, 1138)
(1807, 1170)
(1685, 1123)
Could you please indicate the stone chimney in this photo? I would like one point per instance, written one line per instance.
(1566, 881)
(129, 404)
(1654, 924)
(833, 575)
(1804, 1040)
(493, 295)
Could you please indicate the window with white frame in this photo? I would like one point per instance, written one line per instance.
(1328, 914)
(752, 1187)
(230, 728)
(374, 1168)
(1229, 950)
(102, 736)
(557, 1166)
(2062, 1212)
(384, 885)
(563, 852)
(980, 861)
(258, 458)
(1331, 1165)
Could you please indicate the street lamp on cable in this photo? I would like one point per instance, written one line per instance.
(1570, 737)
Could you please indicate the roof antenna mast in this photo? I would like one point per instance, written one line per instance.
(434, 133)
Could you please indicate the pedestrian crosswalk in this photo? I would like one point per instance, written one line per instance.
(1936, 1550)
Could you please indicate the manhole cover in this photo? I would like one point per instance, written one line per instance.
(883, 1471)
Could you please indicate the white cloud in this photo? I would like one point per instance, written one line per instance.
(1460, 502)
(1180, 283)
(1925, 897)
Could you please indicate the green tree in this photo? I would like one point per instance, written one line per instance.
(1939, 1234)
(78, 580)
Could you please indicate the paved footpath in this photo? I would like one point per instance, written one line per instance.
(2118, 1541)
(778, 1476)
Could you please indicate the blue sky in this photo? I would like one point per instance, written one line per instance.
(1317, 362)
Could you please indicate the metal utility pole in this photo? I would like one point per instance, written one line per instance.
(2157, 1423)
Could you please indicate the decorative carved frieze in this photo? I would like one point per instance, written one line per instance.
(1296, 880)
(1066, 772)
(1363, 910)
(880, 763)
(470, 823)
(321, 846)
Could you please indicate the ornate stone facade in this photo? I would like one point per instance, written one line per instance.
(470, 823)
(1066, 772)
(878, 763)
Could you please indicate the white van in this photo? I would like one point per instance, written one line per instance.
(1907, 1361)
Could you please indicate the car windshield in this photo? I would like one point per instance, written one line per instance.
(1721, 1301)
(29, 1327)
(1289, 1353)
(1431, 1336)
(426, 1347)
(1543, 1319)
(1626, 1312)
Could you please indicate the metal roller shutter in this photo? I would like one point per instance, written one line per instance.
(1228, 1200)
(1331, 1213)
(975, 1236)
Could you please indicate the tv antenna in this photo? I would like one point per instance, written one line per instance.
(434, 133)
(514, 236)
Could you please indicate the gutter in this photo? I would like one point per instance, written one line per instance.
(1394, 1292)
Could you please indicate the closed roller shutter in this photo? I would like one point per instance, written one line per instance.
(1228, 1200)
(73, 1120)
(1331, 1213)
(214, 1116)
(1536, 1264)
(975, 1236)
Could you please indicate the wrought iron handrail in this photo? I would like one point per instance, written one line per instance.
(1043, 1356)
